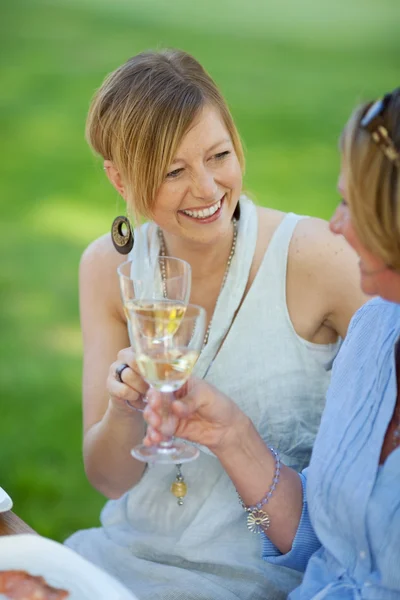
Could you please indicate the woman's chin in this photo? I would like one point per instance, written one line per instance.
(366, 286)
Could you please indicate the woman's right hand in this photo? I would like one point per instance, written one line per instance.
(131, 392)
(200, 413)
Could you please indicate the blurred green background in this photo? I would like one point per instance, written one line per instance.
(291, 71)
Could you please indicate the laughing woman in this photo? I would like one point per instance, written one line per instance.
(279, 291)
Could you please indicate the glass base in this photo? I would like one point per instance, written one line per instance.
(178, 452)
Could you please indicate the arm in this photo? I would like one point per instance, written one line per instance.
(111, 428)
(323, 282)
(305, 542)
(251, 467)
(209, 417)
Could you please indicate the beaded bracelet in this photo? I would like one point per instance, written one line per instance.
(257, 519)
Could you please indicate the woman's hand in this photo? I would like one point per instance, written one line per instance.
(200, 413)
(129, 393)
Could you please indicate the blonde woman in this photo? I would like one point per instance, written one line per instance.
(279, 291)
(339, 520)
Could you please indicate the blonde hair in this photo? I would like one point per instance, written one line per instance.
(373, 183)
(140, 114)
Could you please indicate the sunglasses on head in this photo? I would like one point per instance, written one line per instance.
(373, 122)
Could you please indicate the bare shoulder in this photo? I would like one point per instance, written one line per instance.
(313, 243)
(316, 251)
(101, 252)
(323, 269)
(98, 271)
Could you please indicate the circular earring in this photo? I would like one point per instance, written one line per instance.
(122, 235)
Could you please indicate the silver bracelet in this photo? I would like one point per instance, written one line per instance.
(257, 519)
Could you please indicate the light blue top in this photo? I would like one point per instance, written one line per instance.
(349, 533)
(203, 550)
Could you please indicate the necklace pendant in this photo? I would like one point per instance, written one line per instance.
(179, 487)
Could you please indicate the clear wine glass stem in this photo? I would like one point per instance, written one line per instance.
(166, 401)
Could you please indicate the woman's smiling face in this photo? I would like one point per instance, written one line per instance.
(200, 192)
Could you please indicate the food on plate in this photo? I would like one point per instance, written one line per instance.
(20, 585)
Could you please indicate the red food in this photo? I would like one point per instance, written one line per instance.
(20, 585)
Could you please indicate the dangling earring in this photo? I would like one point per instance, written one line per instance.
(236, 214)
(122, 240)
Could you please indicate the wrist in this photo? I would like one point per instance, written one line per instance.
(244, 446)
(250, 464)
(119, 409)
(236, 436)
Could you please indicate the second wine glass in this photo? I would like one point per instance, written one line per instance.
(165, 358)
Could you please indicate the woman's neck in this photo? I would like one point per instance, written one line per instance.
(205, 259)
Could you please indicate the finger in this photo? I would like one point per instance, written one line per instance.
(164, 422)
(124, 393)
(133, 379)
(126, 355)
(154, 399)
(168, 425)
(181, 409)
(128, 376)
(182, 391)
(151, 417)
(188, 404)
(153, 437)
(139, 404)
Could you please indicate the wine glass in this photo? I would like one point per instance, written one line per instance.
(165, 286)
(166, 352)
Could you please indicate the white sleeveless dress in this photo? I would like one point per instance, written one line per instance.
(203, 550)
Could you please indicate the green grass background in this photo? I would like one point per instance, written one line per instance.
(291, 71)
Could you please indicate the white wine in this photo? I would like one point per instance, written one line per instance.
(158, 318)
(167, 369)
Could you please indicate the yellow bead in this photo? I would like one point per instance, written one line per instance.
(179, 489)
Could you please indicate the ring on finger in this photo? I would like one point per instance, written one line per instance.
(119, 370)
(140, 399)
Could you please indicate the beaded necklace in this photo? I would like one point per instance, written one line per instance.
(179, 487)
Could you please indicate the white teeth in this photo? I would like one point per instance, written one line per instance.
(205, 212)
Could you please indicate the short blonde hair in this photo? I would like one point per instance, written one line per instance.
(373, 183)
(140, 114)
